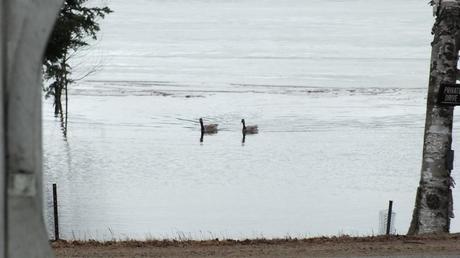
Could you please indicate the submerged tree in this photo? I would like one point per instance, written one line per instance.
(76, 25)
(433, 205)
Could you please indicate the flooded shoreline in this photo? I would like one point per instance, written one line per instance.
(136, 168)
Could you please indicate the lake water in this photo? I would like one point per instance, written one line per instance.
(337, 88)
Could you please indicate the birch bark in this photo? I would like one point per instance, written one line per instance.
(433, 205)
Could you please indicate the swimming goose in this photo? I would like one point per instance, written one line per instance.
(250, 129)
(211, 128)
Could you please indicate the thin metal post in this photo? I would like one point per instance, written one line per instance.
(56, 214)
(390, 211)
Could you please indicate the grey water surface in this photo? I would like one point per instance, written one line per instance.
(337, 89)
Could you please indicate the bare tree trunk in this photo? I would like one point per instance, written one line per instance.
(66, 109)
(29, 24)
(66, 84)
(433, 205)
(3, 186)
(57, 100)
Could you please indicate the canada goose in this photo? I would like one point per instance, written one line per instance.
(211, 128)
(250, 129)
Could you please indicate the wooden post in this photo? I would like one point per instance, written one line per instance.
(29, 24)
(56, 213)
(390, 212)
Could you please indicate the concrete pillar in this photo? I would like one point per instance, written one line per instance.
(29, 25)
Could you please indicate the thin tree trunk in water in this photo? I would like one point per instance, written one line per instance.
(433, 205)
(3, 185)
(65, 84)
(57, 100)
(66, 109)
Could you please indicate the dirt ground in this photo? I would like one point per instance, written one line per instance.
(313, 247)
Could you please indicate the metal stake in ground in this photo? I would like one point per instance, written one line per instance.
(56, 214)
(390, 210)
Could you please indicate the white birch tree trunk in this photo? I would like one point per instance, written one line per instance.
(29, 25)
(433, 205)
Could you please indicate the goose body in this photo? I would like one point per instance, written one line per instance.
(249, 129)
(210, 128)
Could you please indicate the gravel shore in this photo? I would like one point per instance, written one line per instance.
(344, 246)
